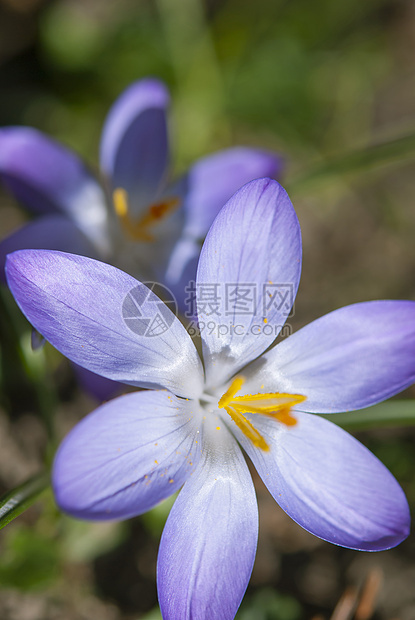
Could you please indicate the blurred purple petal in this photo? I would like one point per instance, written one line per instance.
(205, 189)
(329, 483)
(126, 456)
(36, 340)
(105, 320)
(46, 177)
(213, 180)
(134, 146)
(181, 273)
(95, 385)
(351, 358)
(208, 545)
(41, 173)
(252, 250)
(51, 232)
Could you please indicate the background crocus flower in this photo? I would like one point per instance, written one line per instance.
(158, 225)
(156, 230)
(187, 429)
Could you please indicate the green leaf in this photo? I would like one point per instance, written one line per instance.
(154, 614)
(269, 604)
(84, 541)
(390, 413)
(30, 558)
(381, 154)
(13, 503)
(155, 518)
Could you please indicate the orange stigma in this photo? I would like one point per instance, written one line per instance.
(139, 229)
(276, 405)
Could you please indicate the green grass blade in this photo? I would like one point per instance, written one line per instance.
(13, 503)
(391, 413)
(381, 154)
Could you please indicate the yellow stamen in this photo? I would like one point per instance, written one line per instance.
(285, 417)
(234, 387)
(267, 404)
(274, 404)
(248, 429)
(138, 229)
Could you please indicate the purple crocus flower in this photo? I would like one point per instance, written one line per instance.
(187, 428)
(157, 227)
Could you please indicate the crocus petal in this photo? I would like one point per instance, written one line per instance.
(51, 232)
(126, 456)
(95, 385)
(134, 146)
(37, 341)
(46, 177)
(180, 275)
(208, 545)
(351, 358)
(212, 181)
(205, 189)
(329, 483)
(105, 320)
(248, 275)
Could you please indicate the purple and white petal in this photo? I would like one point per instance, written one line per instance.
(213, 180)
(329, 483)
(126, 456)
(51, 232)
(104, 320)
(46, 177)
(208, 545)
(252, 254)
(351, 358)
(134, 146)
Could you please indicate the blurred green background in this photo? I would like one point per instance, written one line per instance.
(329, 85)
